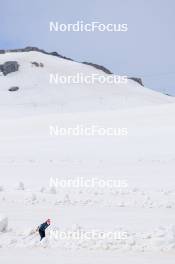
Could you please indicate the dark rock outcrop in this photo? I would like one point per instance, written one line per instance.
(138, 80)
(97, 66)
(28, 49)
(60, 56)
(8, 67)
(37, 64)
(169, 94)
(13, 89)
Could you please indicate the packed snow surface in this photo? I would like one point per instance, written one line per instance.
(144, 159)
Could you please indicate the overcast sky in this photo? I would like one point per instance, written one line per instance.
(146, 50)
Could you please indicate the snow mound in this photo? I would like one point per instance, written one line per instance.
(3, 223)
(160, 240)
(21, 186)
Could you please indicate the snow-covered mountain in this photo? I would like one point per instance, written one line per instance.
(37, 95)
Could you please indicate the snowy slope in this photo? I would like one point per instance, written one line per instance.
(29, 156)
(37, 95)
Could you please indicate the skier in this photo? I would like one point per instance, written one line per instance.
(42, 228)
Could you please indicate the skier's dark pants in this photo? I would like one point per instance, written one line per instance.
(42, 234)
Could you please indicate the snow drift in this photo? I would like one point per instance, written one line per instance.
(3, 223)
